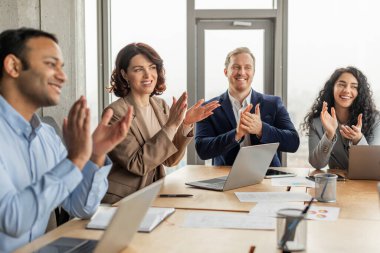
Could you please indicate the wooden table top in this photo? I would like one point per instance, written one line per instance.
(344, 235)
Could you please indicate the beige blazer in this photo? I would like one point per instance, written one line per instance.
(138, 160)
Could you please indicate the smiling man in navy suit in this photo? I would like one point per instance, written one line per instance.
(245, 117)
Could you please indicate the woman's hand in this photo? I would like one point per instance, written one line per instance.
(353, 133)
(329, 122)
(198, 112)
(177, 112)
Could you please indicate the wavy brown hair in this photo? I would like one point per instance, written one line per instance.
(362, 104)
(119, 86)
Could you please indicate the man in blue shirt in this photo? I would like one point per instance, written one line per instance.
(37, 172)
(245, 117)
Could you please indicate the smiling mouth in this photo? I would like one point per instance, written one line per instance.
(147, 83)
(57, 87)
(345, 97)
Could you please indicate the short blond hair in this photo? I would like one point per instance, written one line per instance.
(239, 50)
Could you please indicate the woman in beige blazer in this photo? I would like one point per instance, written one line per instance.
(158, 135)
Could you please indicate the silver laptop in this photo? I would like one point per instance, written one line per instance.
(120, 231)
(250, 167)
(364, 162)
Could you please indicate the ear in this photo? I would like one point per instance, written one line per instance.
(12, 65)
(124, 75)
(225, 72)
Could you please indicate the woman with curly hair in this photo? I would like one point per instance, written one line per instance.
(158, 135)
(344, 114)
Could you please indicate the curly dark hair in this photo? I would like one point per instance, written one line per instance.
(119, 86)
(362, 104)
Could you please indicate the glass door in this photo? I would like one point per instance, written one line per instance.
(216, 38)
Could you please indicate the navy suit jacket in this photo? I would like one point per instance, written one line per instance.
(215, 135)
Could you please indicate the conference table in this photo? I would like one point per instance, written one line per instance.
(211, 200)
(356, 230)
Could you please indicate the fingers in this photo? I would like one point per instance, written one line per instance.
(211, 106)
(360, 121)
(348, 131)
(127, 121)
(248, 108)
(64, 128)
(107, 115)
(182, 98)
(199, 103)
(333, 113)
(257, 110)
(324, 106)
(87, 121)
(77, 114)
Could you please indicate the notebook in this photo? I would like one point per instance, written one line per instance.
(152, 218)
(364, 162)
(121, 229)
(250, 167)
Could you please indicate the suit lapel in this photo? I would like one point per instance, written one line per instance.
(138, 126)
(226, 106)
(256, 98)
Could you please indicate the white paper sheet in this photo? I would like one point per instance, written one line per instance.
(269, 209)
(228, 220)
(272, 196)
(293, 181)
(323, 213)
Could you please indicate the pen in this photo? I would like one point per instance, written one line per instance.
(175, 195)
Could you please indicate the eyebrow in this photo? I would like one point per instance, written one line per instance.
(140, 66)
(342, 81)
(55, 59)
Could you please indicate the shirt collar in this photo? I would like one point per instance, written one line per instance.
(17, 122)
(236, 102)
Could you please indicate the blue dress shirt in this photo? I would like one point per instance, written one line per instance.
(36, 177)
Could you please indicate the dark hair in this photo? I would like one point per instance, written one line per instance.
(119, 86)
(362, 104)
(14, 42)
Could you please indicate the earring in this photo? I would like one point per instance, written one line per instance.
(128, 86)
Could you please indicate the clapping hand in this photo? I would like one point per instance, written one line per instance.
(177, 111)
(353, 133)
(251, 122)
(76, 133)
(198, 112)
(240, 129)
(329, 122)
(106, 137)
